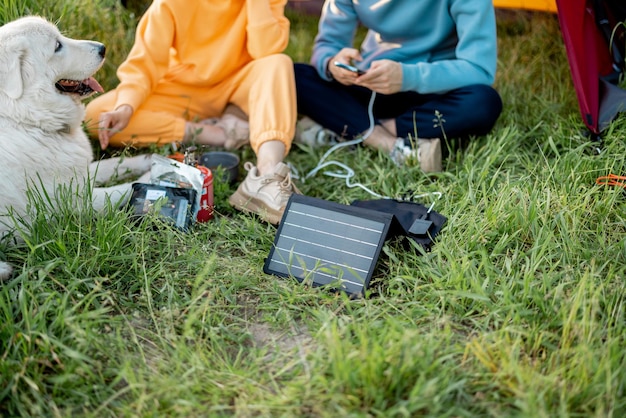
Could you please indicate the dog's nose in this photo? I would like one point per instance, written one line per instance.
(100, 48)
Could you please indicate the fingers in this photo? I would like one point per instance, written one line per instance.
(104, 143)
(347, 55)
(113, 122)
(104, 135)
(104, 129)
(383, 76)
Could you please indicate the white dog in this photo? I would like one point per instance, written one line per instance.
(43, 78)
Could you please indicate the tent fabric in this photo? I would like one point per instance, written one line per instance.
(593, 69)
(540, 5)
(315, 6)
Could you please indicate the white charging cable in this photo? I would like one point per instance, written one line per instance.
(349, 172)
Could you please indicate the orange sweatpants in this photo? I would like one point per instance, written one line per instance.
(264, 89)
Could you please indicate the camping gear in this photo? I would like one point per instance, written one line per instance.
(593, 33)
(414, 220)
(612, 180)
(539, 5)
(169, 172)
(205, 212)
(324, 243)
(172, 204)
(190, 158)
(174, 192)
(228, 161)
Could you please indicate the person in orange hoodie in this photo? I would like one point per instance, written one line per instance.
(189, 61)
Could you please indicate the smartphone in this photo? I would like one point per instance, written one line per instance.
(349, 67)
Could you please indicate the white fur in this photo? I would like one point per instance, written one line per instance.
(42, 142)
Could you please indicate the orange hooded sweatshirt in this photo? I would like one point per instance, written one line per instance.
(191, 58)
(199, 43)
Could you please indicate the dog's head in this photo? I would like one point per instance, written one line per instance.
(42, 69)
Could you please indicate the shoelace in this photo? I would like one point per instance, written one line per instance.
(285, 185)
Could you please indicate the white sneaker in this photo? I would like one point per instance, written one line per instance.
(427, 154)
(313, 134)
(402, 153)
(267, 195)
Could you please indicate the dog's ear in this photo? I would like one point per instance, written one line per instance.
(11, 83)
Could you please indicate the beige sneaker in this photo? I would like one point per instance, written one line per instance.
(312, 133)
(267, 195)
(428, 154)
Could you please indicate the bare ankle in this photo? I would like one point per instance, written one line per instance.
(380, 139)
(383, 144)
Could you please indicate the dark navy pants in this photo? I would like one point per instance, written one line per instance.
(464, 112)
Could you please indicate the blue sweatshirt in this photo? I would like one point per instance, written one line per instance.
(442, 44)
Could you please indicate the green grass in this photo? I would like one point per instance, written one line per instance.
(518, 310)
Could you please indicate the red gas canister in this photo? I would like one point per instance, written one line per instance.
(206, 200)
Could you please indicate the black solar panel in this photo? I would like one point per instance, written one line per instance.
(326, 243)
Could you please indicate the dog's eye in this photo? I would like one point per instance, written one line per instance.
(58, 46)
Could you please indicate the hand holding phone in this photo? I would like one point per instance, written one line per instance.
(351, 68)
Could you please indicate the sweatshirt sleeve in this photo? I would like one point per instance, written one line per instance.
(476, 53)
(148, 59)
(336, 30)
(268, 28)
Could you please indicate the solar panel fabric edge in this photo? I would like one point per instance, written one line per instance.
(327, 243)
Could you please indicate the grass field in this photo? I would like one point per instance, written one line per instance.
(518, 310)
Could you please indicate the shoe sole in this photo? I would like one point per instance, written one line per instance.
(251, 205)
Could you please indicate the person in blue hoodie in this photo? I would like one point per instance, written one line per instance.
(425, 69)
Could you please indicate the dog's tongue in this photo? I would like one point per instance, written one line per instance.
(94, 85)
